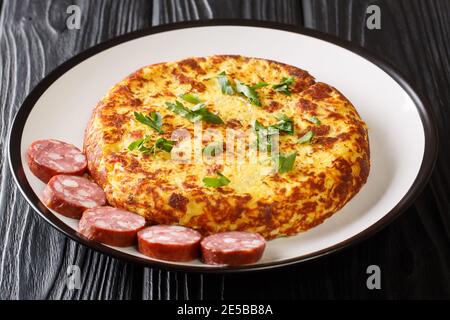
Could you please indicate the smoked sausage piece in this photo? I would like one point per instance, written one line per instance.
(169, 242)
(48, 158)
(232, 248)
(71, 195)
(112, 226)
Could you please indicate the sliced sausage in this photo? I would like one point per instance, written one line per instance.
(232, 248)
(168, 242)
(111, 226)
(48, 158)
(71, 195)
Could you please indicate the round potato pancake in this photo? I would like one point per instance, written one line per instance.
(145, 145)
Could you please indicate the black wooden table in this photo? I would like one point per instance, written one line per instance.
(413, 252)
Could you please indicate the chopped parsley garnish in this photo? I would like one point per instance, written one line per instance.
(283, 86)
(198, 112)
(206, 115)
(306, 138)
(198, 106)
(286, 162)
(154, 121)
(190, 97)
(163, 144)
(248, 92)
(181, 110)
(139, 144)
(264, 134)
(213, 149)
(314, 120)
(225, 84)
(260, 84)
(217, 182)
(160, 143)
(284, 124)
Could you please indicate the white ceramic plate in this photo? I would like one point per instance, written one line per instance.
(402, 136)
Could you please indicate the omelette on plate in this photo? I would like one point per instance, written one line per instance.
(225, 143)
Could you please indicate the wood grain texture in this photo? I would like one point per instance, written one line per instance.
(34, 257)
(413, 252)
(415, 38)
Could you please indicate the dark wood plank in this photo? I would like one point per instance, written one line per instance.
(414, 37)
(287, 11)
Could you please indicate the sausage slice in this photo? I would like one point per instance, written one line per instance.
(111, 226)
(232, 248)
(71, 195)
(48, 158)
(168, 242)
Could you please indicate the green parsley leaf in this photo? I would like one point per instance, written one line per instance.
(264, 136)
(286, 162)
(193, 98)
(208, 116)
(284, 124)
(139, 145)
(157, 118)
(220, 181)
(135, 144)
(225, 84)
(248, 92)
(146, 150)
(314, 120)
(283, 86)
(260, 84)
(179, 109)
(190, 97)
(306, 137)
(198, 106)
(198, 112)
(160, 143)
(259, 126)
(154, 121)
(163, 144)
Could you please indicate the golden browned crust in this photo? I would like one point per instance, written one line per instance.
(327, 173)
